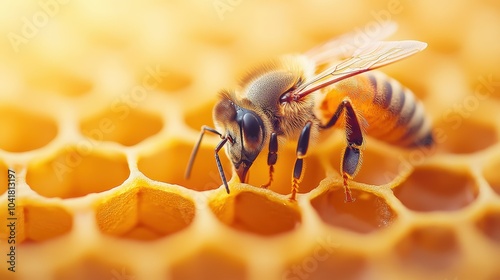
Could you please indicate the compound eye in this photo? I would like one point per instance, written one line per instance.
(252, 132)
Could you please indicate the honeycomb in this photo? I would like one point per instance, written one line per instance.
(102, 101)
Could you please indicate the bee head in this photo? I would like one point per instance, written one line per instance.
(245, 131)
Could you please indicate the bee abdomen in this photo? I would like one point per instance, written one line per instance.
(400, 119)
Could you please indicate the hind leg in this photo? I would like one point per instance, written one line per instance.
(351, 159)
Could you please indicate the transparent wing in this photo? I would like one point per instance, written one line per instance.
(365, 59)
(345, 45)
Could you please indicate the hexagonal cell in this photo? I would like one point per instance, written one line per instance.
(431, 247)
(46, 77)
(24, 131)
(456, 136)
(200, 116)
(489, 224)
(121, 124)
(38, 222)
(172, 81)
(433, 188)
(159, 166)
(325, 262)
(77, 171)
(491, 174)
(209, 264)
(255, 213)
(144, 213)
(92, 267)
(367, 214)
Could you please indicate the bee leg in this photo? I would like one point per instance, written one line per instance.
(350, 164)
(217, 149)
(302, 146)
(219, 165)
(351, 159)
(272, 157)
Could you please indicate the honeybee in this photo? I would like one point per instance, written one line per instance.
(296, 97)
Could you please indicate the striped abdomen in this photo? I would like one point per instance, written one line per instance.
(391, 112)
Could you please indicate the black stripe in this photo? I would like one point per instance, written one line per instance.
(382, 95)
(387, 94)
(405, 118)
(413, 130)
(426, 141)
(396, 108)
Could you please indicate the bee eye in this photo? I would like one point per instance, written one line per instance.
(252, 133)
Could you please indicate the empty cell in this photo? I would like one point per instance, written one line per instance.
(37, 222)
(435, 188)
(47, 76)
(44, 222)
(429, 248)
(77, 171)
(200, 116)
(171, 82)
(367, 214)
(23, 131)
(209, 263)
(489, 224)
(169, 165)
(492, 175)
(121, 124)
(325, 262)
(255, 213)
(464, 136)
(19, 230)
(145, 213)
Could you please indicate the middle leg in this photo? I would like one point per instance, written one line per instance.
(302, 146)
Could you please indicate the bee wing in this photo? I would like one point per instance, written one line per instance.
(365, 59)
(345, 45)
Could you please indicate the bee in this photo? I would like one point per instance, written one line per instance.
(297, 97)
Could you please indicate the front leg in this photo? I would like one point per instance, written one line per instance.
(302, 146)
(272, 158)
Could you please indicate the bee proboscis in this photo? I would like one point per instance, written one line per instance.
(298, 96)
